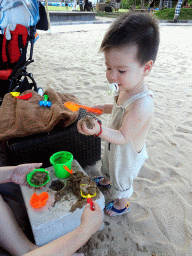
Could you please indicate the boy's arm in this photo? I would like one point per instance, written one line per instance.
(106, 108)
(132, 124)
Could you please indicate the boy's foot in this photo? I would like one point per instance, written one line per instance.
(102, 182)
(113, 208)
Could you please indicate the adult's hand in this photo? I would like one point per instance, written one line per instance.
(19, 173)
(92, 220)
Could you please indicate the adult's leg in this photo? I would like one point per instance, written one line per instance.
(12, 238)
(12, 195)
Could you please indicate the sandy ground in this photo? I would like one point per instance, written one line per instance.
(160, 217)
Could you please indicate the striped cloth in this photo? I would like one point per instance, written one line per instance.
(178, 8)
(168, 3)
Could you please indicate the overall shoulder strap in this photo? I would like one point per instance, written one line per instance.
(136, 97)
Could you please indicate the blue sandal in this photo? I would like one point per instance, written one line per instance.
(100, 185)
(109, 206)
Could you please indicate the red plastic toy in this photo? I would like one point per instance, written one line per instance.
(25, 97)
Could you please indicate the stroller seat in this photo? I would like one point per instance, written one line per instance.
(13, 63)
(12, 50)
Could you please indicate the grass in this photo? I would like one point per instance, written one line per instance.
(58, 8)
(166, 14)
(110, 14)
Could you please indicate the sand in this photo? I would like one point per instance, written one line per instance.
(160, 217)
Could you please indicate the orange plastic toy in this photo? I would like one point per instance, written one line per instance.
(74, 107)
(38, 201)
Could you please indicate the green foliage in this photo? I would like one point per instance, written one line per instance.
(127, 3)
(190, 3)
(168, 14)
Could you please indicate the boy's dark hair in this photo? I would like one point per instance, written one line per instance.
(134, 29)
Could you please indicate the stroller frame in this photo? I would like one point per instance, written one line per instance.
(19, 72)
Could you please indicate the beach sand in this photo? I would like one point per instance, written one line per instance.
(160, 217)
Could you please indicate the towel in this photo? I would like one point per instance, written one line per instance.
(20, 118)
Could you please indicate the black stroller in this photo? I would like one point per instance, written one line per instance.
(13, 49)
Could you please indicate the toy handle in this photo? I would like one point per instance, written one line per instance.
(46, 97)
(89, 201)
(67, 169)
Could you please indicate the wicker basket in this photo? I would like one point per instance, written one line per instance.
(39, 147)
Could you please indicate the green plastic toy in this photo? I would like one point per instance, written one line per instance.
(30, 175)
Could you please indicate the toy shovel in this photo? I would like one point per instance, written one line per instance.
(88, 191)
(74, 107)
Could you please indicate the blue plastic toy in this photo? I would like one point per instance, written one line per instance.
(45, 102)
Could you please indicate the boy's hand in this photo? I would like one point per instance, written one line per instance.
(18, 176)
(82, 128)
(100, 107)
(92, 220)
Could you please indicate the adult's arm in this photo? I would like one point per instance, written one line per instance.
(17, 174)
(5, 173)
(70, 243)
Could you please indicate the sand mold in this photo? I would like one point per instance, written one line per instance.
(56, 185)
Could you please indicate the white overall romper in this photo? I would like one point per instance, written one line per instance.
(121, 163)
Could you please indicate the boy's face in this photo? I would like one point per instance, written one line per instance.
(124, 69)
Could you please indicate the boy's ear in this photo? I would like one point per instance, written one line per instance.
(148, 67)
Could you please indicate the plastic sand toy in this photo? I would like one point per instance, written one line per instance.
(38, 201)
(74, 107)
(38, 177)
(88, 191)
(25, 97)
(61, 162)
(15, 94)
(112, 89)
(45, 102)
